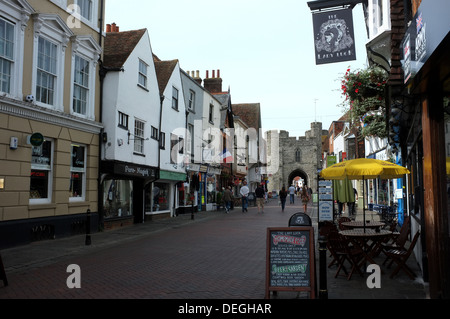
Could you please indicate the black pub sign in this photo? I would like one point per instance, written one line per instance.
(334, 39)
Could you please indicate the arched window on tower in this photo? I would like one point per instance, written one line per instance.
(297, 155)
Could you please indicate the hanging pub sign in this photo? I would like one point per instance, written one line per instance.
(334, 36)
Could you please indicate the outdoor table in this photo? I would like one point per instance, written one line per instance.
(360, 224)
(360, 238)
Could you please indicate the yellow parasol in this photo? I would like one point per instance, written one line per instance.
(363, 168)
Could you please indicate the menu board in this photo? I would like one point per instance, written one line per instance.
(290, 259)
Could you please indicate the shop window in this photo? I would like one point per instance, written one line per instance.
(78, 173)
(117, 198)
(41, 173)
(160, 194)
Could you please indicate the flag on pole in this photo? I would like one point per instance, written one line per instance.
(227, 157)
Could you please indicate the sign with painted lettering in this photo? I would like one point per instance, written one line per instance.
(290, 261)
(334, 36)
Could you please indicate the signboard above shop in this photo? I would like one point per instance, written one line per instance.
(334, 39)
(428, 28)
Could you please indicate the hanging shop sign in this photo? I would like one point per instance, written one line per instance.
(334, 36)
(36, 139)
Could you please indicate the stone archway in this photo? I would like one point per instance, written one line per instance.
(295, 173)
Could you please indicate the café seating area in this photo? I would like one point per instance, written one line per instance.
(355, 244)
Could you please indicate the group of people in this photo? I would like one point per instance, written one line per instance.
(244, 191)
(304, 193)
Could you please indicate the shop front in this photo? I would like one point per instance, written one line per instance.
(163, 197)
(123, 188)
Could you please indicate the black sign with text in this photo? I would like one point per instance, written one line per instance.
(334, 39)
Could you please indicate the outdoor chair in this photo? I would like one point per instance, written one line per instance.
(344, 252)
(325, 229)
(343, 220)
(398, 240)
(400, 257)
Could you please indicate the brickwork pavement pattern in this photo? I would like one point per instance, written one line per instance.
(214, 256)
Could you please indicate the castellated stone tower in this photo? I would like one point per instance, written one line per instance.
(297, 157)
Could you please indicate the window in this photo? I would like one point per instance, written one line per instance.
(6, 55)
(211, 113)
(41, 173)
(139, 137)
(174, 98)
(81, 86)
(142, 79)
(297, 155)
(123, 120)
(78, 173)
(46, 71)
(154, 133)
(85, 9)
(162, 140)
(191, 104)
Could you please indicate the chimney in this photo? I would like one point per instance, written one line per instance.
(197, 77)
(214, 84)
(108, 28)
(114, 27)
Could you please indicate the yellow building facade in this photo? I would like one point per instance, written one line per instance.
(50, 129)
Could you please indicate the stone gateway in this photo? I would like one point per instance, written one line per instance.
(299, 158)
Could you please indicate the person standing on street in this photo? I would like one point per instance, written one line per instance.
(292, 194)
(304, 195)
(260, 193)
(244, 193)
(283, 195)
(227, 198)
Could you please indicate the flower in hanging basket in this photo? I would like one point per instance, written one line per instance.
(364, 91)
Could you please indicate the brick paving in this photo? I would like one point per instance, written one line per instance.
(214, 256)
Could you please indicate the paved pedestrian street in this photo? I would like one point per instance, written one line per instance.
(216, 256)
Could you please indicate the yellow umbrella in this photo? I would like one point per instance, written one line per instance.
(364, 168)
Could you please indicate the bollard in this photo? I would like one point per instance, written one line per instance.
(192, 212)
(323, 290)
(88, 227)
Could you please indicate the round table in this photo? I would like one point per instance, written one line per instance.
(360, 224)
(360, 237)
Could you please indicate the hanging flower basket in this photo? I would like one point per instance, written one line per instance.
(364, 92)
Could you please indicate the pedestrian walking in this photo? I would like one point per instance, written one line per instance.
(352, 205)
(291, 194)
(244, 193)
(227, 198)
(305, 198)
(283, 194)
(260, 193)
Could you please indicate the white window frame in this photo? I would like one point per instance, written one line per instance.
(18, 16)
(143, 74)
(139, 136)
(175, 99)
(48, 200)
(191, 104)
(44, 26)
(85, 47)
(92, 21)
(82, 171)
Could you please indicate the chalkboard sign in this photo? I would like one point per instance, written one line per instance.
(290, 260)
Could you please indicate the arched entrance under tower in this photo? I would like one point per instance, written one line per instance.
(297, 173)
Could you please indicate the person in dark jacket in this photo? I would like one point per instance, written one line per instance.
(283, 195)
(227, 198)
(260, 194)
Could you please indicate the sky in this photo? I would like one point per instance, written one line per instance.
(263, 49)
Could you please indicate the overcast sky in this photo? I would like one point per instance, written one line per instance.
(263, 49)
